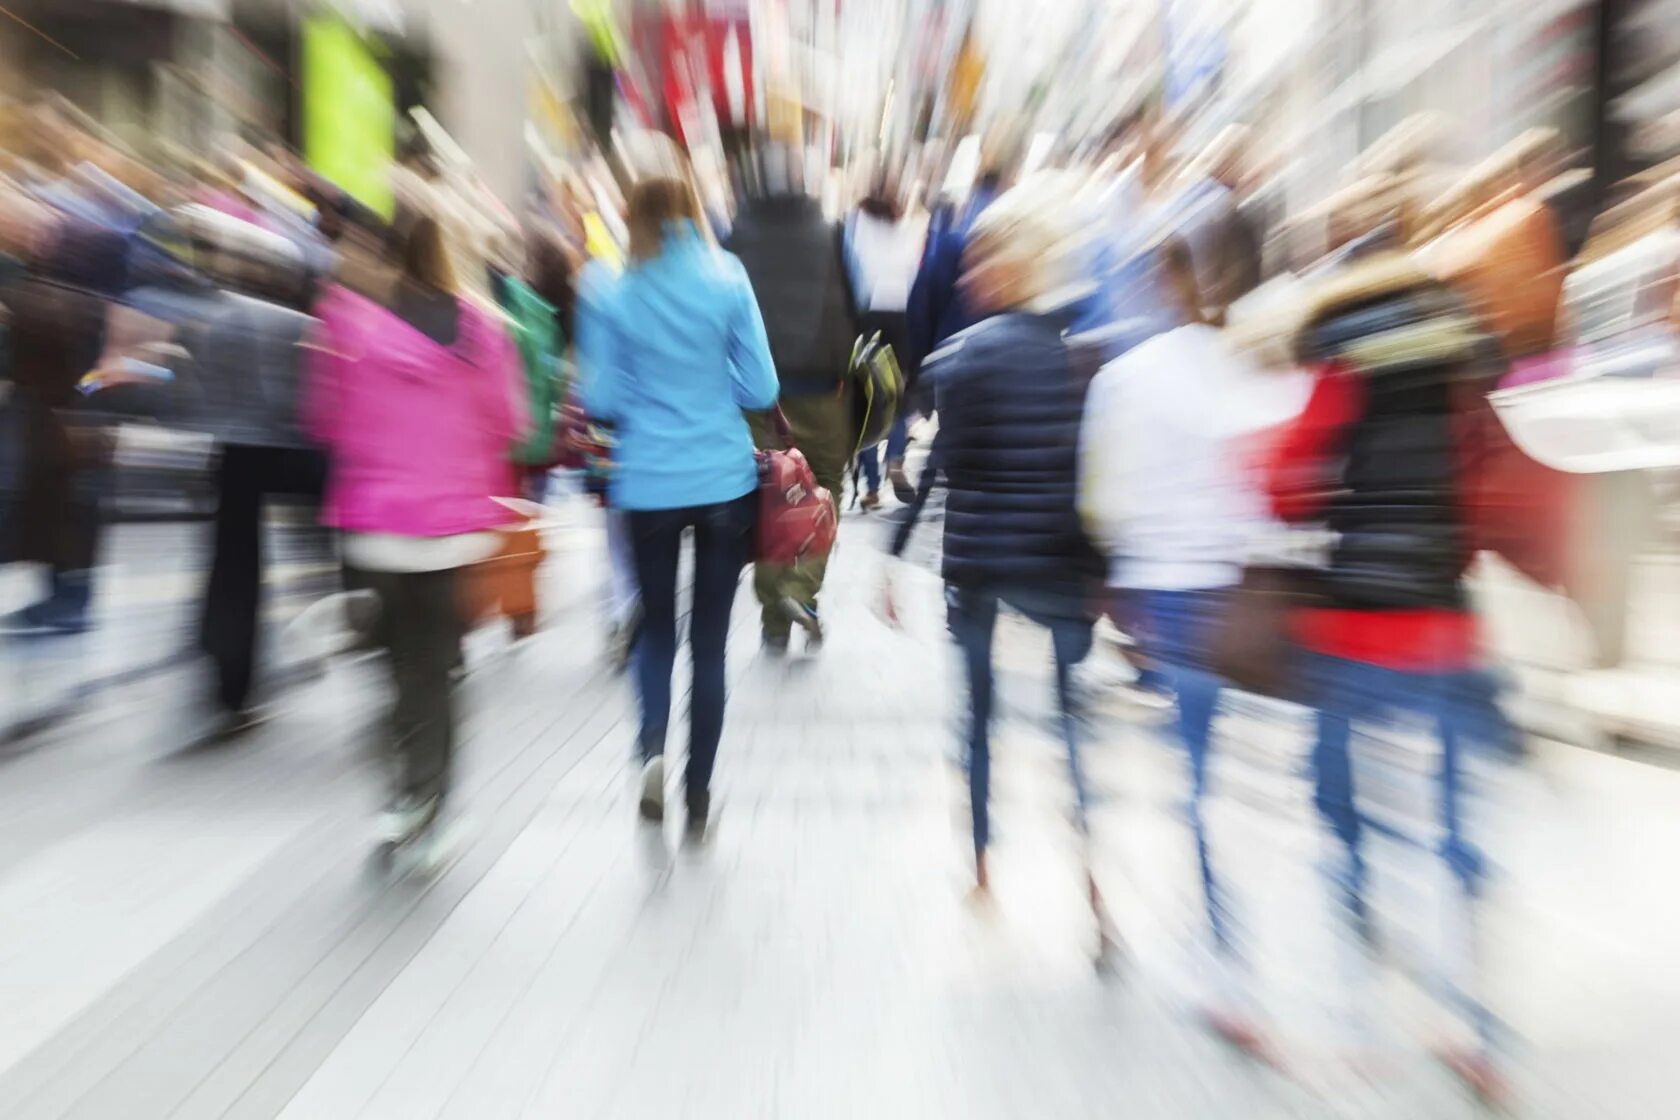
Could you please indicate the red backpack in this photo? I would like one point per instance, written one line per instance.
(797, 519)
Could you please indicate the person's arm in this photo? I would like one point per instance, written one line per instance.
(1107, 460)
(601, 374)
(1299, 473)
(952, 406)
(751, 368)
(507, 398)
(926, 306)
(924, 487)
(326, 366)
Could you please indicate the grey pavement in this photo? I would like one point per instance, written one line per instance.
(198, 932)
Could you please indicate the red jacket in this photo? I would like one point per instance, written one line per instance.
(1300, 477)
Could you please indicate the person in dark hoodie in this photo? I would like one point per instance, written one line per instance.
(793, 257)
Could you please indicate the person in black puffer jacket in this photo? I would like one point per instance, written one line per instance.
(1009, 403)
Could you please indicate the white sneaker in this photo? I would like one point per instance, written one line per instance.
(653, 789)
(405, 818)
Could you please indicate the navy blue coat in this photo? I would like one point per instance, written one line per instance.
(1009, 404)
(937, 310)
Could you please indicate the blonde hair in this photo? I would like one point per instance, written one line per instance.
(1031, 229)
(654, 203)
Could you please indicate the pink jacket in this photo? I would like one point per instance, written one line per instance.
(418, 434)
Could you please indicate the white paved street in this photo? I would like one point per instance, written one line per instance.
(197, 932)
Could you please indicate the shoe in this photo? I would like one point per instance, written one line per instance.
(652, 803)
(775, 645)
(699, 818)
(806, 618)
(902, 490)
(48, 618)
(870, 501)
(405, 818)
(233, 722)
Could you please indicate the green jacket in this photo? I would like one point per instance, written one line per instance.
(535, 334)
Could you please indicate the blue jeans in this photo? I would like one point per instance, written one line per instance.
(1175, 630)
(1460, 707)
(898, 437)
(722, 543)
(971, 614)
(898, 442)
(869, 462)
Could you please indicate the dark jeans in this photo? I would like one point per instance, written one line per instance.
(230, 629)
(419, 628)
(722, 545)
(971, 614)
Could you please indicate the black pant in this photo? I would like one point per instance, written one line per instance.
(722, 544)
(419, 628)
(233, 597)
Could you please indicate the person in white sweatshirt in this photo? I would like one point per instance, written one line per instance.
(1167, 495)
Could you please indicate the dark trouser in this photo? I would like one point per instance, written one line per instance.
(63, 474)
(722, 544)
(822, 430)
(419, 628)
(231, 626)
(971, 614)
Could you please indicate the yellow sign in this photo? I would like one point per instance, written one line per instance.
(349, 114)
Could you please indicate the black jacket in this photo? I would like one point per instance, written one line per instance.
(1401, 535)
(1009, 404)
(792, 257)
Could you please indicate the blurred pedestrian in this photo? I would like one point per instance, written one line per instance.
(1168, 494)
(671, 353)
(239, 313)
(1379, 457)
(793, 256)
(883, 247)
(937, 307)
(56, 332)
(1009, 406)
(417, 405)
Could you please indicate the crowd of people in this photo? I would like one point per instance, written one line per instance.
(1108, 445)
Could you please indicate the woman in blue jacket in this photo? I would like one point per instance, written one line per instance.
(672, 351)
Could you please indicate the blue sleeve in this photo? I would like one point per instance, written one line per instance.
(924, 487)
(921, 317)
(601, 374)
(750, 365)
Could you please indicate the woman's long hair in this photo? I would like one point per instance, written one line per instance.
(1178, 272)
(423, 258)
(655, 203)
